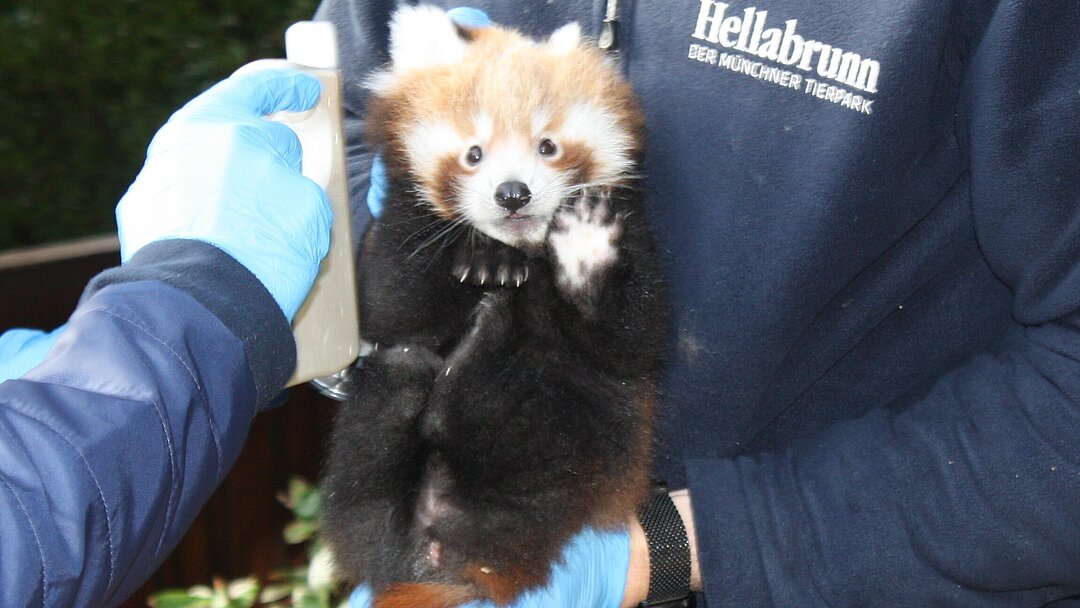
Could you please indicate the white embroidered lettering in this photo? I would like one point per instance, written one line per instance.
(711, 15)
(747, 32)
(791, 47)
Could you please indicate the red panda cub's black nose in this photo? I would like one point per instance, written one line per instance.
(512, 195)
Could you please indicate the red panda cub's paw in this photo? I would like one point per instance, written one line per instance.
(482, 261)
(584, 247)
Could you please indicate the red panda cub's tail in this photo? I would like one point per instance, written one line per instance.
(500, 590)
(424, 595)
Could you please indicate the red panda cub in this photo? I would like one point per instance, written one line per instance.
(512, 287)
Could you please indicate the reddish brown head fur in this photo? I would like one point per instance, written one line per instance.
(504, 94)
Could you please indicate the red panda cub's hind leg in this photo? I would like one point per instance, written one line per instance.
(375, 461)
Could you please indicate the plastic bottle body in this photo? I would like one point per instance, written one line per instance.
(327, 327)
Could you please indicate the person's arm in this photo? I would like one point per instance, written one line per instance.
(971, 497)
(637, 573)
(109, 447)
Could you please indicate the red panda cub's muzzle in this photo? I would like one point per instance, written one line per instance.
(512, 196)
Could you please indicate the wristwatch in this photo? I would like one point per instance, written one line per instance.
(669, 552)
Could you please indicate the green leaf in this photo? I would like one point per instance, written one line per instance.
(243, 592)
(320, 574)
(177, 598)
(274, 593)
(308, 599)
(299, 531)
(309, 505)
(303, 499)
(201, 591)
(298, 488)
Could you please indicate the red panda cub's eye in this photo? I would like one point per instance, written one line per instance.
(547, 148)
(474, 156)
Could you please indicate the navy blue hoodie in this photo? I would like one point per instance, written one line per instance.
(868, 215)
(109, 448)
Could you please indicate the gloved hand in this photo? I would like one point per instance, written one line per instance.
(22, 349)
(467, 16)
(464, 16)
(590, 574)
(218, 172)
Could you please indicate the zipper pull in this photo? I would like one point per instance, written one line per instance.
(609, 30)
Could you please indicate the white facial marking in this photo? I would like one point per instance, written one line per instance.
(485, 127)
(610, 143)
(541, 119)
(428, 143)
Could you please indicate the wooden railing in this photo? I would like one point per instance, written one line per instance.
(238, 533)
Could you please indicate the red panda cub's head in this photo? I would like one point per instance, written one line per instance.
(495, 129)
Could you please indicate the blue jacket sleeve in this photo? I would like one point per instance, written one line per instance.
(972, 496)
(109, 448)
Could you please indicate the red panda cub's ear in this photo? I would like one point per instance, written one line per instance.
(424, 36)
(565, 39)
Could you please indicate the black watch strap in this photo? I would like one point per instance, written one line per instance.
(669, 553)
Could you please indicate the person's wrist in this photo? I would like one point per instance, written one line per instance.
(637, 575)
(681, 498)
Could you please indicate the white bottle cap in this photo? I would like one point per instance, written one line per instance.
(312, 44)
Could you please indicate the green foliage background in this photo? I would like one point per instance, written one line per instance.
(84, 84)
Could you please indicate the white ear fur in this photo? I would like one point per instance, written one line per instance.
(423, 36)
(566, 38)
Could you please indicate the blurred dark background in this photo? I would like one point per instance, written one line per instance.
(84, 84)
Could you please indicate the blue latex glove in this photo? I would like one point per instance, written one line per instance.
(376, 193)
(467, 16)
(464, 16)
(22, 349)
(219, 172)
(590, 574)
